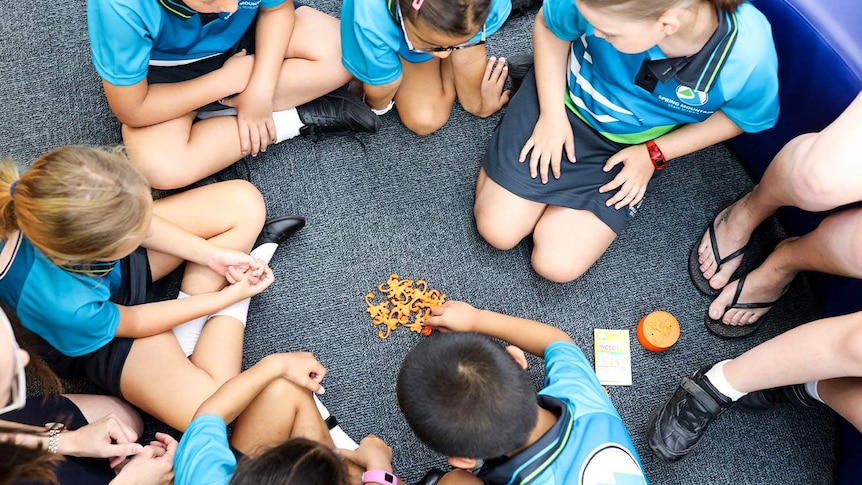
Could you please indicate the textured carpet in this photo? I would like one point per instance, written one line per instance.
(403, 204)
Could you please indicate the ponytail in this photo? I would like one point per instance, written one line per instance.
(8, 181)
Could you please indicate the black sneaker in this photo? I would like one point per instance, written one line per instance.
(338, 112)
(519, 66)
(675, 428)
(794, 395)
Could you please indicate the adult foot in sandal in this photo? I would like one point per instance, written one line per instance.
(715, 258)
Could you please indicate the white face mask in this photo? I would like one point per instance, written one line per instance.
(15, 394)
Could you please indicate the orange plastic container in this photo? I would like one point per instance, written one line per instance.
(658, 331)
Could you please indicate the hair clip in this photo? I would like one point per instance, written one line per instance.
(417, 4)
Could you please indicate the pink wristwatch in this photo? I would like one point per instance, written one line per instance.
(379, 476)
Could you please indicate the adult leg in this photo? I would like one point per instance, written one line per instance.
(426, 95)
(835, 247)
(95, 407)
(815, 172)
(503, 218)
(567, 242)
(843, 396)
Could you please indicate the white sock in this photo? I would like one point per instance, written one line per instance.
(287, 124)
(717, 379)
(187, 334)
(339, 437)
(264, 251)
(238, 310)
(811, 389)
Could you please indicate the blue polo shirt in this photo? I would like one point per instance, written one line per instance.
(373, 44)
(72, 312)
(589, 443)
(631, 98)
(126, 36)
(204, 456)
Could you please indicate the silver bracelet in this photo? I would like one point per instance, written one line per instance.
(54, 430)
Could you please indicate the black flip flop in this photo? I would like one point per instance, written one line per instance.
(723, 330)
(701, 283)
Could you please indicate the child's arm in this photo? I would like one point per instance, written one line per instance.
(638, 169)
(479, 81)
(236, 394)
(254, 103)
(153, 318)
(552, 133)
(529, 335)
(143, 104)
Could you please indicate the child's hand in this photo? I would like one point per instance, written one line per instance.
(153, 465)
(303, 369)
(633, 178)
(550, 136)
(243, 286)
(373, 453)
(253, 119)
(455, 316)
(222, 259)
(493, 96)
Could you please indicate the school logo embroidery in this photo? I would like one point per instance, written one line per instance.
(691, 97)
(611, 464)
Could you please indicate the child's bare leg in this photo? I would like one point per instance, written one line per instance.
(95, 407)
(567, 242)
(282, 411)
(833, 248)
(815, 172)
(158, 378)
(426, 95)
(817, 351)
(230, 215)
(503, 218)
(312, 65)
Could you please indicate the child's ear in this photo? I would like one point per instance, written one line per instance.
(669, 22)
(463, 463)
(518, 355)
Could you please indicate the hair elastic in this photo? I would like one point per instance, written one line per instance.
(417, 4)
(12, 188)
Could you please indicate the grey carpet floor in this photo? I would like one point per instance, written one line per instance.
(402, 204)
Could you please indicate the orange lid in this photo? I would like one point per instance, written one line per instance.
(658, 331)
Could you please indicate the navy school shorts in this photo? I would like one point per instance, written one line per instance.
(578, 185)
(104, 366)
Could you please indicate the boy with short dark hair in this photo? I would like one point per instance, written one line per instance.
(470, 399)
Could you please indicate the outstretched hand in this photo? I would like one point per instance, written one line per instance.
(493, 96)
(546, 144)
(454, 316)
(633, 178)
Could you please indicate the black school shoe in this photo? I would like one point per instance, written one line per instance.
(519, 66)
(675, 428)
(767, 399)
(338, 112)
(278, 229)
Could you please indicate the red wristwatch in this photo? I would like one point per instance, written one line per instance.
(656, 156)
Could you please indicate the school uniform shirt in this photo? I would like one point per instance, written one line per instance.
(127, 36)
(372, 42)
(589, 444)
(203, 456)
(632, 98)
(72, 312)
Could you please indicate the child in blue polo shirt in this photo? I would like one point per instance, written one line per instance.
(619, 88)
(467, 397)
(423, 54)
(169, 68)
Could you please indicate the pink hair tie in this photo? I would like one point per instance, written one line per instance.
(417, 4)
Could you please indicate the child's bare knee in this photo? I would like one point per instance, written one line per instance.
(424, 122)
(558, 270)
(247, 199)
(497, 235)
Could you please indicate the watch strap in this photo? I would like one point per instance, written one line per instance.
(54, 430)
(656, 156)
(382, 477)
